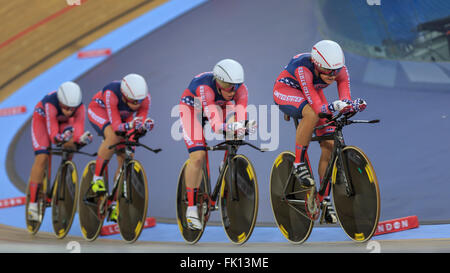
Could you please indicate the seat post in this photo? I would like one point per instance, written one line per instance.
(288, 118)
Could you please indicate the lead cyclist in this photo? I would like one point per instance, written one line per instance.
(298, 91)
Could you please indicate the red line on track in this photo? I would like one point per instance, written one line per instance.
(38, 24)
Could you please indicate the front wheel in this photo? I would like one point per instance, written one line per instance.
(64, 199)
(356, 194)
(239, 199)
(132, 201)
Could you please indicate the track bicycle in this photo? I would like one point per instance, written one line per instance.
(235, 194)
(61, 196)
(354, 188)
(129, 194)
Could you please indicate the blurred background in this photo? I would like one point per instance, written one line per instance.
(402, 30)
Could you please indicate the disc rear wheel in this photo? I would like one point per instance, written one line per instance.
(288, 200)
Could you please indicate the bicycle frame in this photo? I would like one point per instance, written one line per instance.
(230, 147)
(66, 156)
(230, 152)
(128, 157)
(338, 146)
(336, 156)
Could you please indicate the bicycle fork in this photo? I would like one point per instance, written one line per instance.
(340, 172)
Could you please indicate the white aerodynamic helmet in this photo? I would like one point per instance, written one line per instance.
(229, 71)
(134, 86)
(328, 54)
(69, 94)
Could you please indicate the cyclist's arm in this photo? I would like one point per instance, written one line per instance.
(305, 79)
(212, 111)
(143, 110)
(52, 122)
(241, 100)
(111, 103)
(78, 123)
(343, 84)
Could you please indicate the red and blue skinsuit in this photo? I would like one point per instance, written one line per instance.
(297, 85)
(201, 101)
(48, 120)
(108, 108)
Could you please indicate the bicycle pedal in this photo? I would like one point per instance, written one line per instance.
(111, 217)
(323, 219)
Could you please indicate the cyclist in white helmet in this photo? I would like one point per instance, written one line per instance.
(121, 106)
(57, 119)
(298, 91)
(221, 98)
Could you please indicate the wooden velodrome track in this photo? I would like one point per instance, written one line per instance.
(32, 38)
(24, 56)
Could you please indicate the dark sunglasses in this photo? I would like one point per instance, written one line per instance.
(232, 88)
(135, 102)
(68, 108)
(330, 72)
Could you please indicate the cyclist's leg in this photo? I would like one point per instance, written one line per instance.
(328, 213)
(291, 102)
(193, 179)
(104, 155)
(327, 149)
(304, 132)
(41, 143)
(195, 143)
(37, 174)
(193, 172)
(100, 122)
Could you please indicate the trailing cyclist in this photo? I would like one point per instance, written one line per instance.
(121, 106)
(298, 91)
(57, 119)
